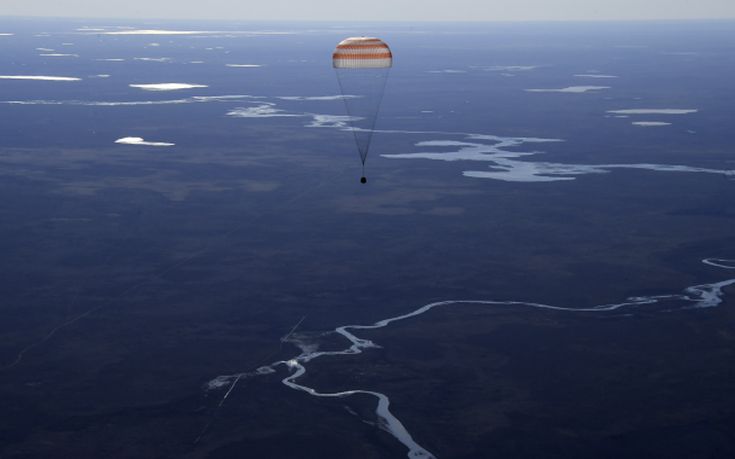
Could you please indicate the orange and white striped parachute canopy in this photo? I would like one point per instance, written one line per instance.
(362, 53)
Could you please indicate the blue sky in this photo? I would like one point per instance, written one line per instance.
(381, 10)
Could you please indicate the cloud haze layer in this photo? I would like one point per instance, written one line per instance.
(143, 142)
(572, 89)
(38, 78)
(167, 86)
(654, 111)
(380, 10)
(650, 123)
(594, 75)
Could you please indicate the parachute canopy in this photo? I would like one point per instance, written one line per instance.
(362, 65)
(362, 53)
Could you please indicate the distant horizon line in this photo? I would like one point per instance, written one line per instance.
(373, 21)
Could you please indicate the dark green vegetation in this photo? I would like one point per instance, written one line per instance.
(196, 277)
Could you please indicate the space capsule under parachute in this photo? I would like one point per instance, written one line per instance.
(362, 65)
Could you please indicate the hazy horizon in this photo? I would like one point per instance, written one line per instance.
(381, 10)
(162, 19)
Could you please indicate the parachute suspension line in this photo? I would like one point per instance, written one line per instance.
(363, 134)
(349, 115)
(381, 93)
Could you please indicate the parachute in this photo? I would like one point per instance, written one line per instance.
(362, 65)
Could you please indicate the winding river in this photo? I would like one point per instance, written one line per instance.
(696, 296)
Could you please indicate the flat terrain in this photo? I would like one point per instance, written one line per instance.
(132, 276)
